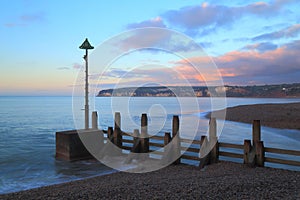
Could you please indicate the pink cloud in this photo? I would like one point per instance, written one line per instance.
(279, 62)
(155, 22)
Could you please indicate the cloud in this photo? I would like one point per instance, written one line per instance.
(269, 65)
(266, 65)
(155, 22)
(26, 19)
(259, 63)
(146, 37)
(289, 32)
(203, 70)
(11, 25)
(180, 72)
(181, 75)
(115, 73)
(77, 66)
(63, 68)
(154, 39)
(208, 15)
(261, 47)
(32, 17)
(192, 17)
(206, 44)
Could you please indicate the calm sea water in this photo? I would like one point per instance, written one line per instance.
(28, 126)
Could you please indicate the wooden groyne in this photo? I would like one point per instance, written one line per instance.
(251, 152)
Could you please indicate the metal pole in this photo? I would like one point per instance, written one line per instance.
(86, 91)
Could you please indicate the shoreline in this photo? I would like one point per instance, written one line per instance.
(283, 116)
(222, 180)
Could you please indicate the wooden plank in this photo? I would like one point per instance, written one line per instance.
(190, 157)
(282, 151)
(127, 141)
(126, 148)
(126, 134)
(189, 141)
(186, 140)
(157, 137)
(191, 149)
(281, 161)
(155, 144)
(229, 145)
(230, 154)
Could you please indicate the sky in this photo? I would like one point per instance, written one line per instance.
(250, 42)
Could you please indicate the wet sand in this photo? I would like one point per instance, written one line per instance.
(285, 116)
(224, 180)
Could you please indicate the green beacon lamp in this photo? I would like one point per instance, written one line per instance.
(86, 45)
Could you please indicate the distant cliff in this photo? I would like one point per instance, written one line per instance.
(275, 91)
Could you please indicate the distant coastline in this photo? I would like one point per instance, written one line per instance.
(262, 91)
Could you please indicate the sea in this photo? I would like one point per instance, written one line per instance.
(28, 126)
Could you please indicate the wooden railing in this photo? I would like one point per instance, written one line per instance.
(254, 152)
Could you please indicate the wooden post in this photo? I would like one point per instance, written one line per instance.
(167, 138)
(175, 126)
(144, 134)
(249, 154)
(211, 145)
(256, 131)
(110, 133)
(214, 154)
(258, 145)
(136, 148)
(247, 148)
(260, 154)
(94, 120)
(175, 133)
(212, 128)
(203, 137)
(117, 120)
(204, 160)
(117, 130)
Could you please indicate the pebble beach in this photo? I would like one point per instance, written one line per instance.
(224, 180)
(284, 116)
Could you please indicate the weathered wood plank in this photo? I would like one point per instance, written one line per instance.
(282, 151)
(126, 134)
(126, 148)
(183, 140)
(190, 157)
(230, 154)
(156, 144)
(156, 137)
(281, 161)
(229, 145)
(191, 149)
(127, 141)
